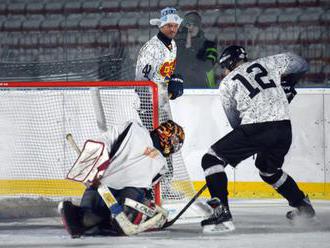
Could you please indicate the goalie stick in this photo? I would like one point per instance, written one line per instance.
(171, 222)
(73, 144)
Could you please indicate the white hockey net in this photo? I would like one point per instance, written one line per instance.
(36, 116)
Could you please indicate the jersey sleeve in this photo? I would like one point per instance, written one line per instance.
(146, 64)
(288, 63)
(109, 137)
(229, 105)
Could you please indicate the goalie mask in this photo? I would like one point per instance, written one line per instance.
(171, 137)
(231, 56)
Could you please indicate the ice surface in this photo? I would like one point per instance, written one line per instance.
(258, 224)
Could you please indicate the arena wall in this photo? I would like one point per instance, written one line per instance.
(308, 161)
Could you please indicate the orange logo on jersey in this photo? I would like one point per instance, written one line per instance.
(167, 69)
(151, 152)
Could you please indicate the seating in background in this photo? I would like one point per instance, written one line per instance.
(42, 29)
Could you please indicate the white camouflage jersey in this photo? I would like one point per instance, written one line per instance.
(136, 162)
(252, 92)
(156, 63)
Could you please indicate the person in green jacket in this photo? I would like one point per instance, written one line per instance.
(196, 55)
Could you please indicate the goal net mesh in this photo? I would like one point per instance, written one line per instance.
(35, 118)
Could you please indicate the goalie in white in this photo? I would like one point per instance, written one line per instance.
(121, 166)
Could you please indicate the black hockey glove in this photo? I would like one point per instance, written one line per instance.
(288, 83)
(208, 52)
(175, 86)
(289, 91)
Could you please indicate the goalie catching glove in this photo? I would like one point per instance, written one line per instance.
(175, 86)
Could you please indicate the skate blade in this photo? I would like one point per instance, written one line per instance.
(227, 226)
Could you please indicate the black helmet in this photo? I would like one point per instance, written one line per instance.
(231, 56)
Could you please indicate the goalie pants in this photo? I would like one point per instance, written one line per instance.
(270, 141)
(94, 211)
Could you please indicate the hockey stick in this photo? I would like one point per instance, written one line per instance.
(171, 222)
(71, 141)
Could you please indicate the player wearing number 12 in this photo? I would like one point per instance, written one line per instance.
(257, 106)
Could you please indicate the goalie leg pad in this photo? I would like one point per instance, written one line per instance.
(147, 212)
(150, 212)
(121, 218)
(130, 229)
(140, 207)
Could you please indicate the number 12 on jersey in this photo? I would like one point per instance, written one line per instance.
(261, 73)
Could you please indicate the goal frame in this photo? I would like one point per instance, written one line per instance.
(97, 84)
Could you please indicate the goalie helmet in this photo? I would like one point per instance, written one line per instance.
(231, 56)
(171, 137)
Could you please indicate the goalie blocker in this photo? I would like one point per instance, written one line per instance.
(131, 209)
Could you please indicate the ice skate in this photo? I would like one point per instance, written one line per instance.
(70, 218)
(220, 221)
(303, 213)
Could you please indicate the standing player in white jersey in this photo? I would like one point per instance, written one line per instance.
(156, 62)
(257, 108)
(133, 161)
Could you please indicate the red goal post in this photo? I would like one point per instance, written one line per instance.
(26, 104)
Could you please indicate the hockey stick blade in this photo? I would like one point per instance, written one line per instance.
(171, 222)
